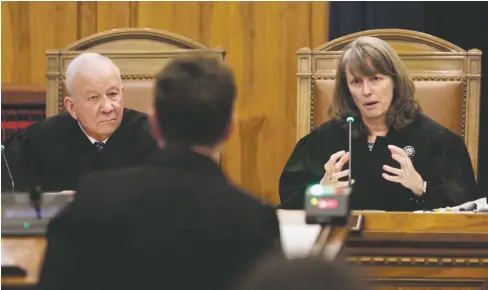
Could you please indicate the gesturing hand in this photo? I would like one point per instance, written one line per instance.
(333, 170)
(406, 174)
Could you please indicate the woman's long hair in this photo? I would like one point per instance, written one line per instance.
(367, 56)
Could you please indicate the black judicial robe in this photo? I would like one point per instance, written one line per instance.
(440, 157)
(55, 153)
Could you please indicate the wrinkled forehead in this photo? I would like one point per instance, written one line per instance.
(96, 79)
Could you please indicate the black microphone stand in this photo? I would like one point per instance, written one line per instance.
(35, 196)
(350, 120)
(335, 229)
(8, 169)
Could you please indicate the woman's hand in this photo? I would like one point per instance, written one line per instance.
(406, 174)
(333, 170)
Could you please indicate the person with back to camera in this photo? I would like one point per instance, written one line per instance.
(175, 222)
(305, 273)
(403, 160)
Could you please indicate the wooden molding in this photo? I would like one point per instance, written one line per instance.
(428, 283)
(23, 94)
(393, 35)
(420, 261)
(35, 88)
(134, 33)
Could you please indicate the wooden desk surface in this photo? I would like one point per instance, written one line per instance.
(27, 253)
(429, 227)
(392, 245)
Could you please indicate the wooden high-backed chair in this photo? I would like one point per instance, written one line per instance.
(447, 81)
(140, 53)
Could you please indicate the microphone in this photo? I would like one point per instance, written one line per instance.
(35, 196)
(8, 169)
(350, 120)
(329, 207)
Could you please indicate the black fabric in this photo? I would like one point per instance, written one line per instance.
(459, 23)
(55, 153)
(456, 22)
(346, 17)
(441, 158)
(173, 223)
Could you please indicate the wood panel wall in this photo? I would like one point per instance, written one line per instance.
(260, 38)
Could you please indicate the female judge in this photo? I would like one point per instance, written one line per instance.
(403, 160)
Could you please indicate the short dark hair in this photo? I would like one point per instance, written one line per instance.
(194, 100)
(367, 56)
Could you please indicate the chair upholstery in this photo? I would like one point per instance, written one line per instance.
(446, 77)
(140, 53)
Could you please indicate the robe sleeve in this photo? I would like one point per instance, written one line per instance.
(305, 167)
(450, 176)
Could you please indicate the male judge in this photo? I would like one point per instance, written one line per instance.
(175, 222)
(97, 132)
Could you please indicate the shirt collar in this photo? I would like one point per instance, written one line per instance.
(92, 140)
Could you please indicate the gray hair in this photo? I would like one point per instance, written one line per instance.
(84, 59)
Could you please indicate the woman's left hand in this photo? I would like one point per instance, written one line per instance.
(406, 174)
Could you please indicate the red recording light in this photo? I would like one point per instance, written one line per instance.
(327, 203)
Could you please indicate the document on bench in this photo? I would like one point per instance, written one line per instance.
(297, 237)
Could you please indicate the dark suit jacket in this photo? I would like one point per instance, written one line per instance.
(175, 223)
